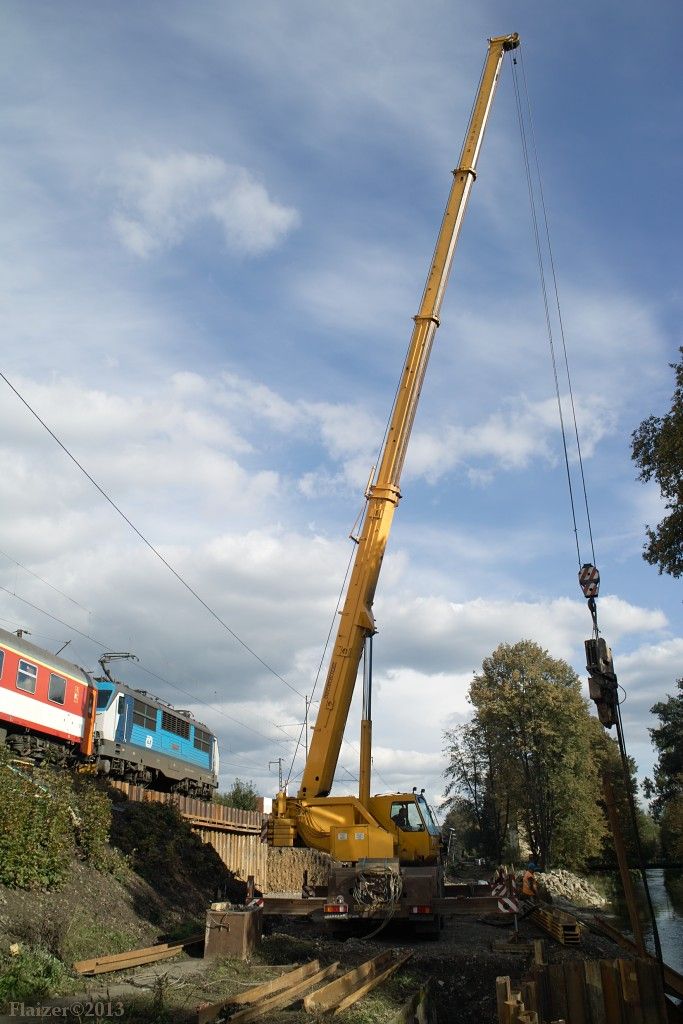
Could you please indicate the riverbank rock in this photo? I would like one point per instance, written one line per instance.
(565, 885)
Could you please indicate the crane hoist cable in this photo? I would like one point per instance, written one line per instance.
(603, 685)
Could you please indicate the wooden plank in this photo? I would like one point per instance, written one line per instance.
(539, 975)
(611, 992)
(134, 957)
(673, 981)
(574, 980)
(502, 996)
(539, 952)
(331, 994)
(530, 996)
(379, 979)
(630, 992)
(209, 1011)
(557, 992)
(652, 1000)
(282, 999)
(594, 1000)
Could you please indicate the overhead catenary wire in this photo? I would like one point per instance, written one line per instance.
(103, 645)
(46, 582)
(148, 543)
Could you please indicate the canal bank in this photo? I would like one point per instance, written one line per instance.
(666, 893)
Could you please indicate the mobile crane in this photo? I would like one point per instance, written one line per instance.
(386, 849)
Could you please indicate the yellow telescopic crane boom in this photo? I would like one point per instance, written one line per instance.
(357, 621)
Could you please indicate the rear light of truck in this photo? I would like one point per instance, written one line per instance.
(423, 909)
(340, 906)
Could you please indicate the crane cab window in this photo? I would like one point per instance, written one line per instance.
(428, 816)
(27, 676)
(406, 816)
(56, 690)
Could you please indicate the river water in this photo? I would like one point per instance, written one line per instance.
(666, 892)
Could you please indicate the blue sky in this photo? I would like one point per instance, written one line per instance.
(217, 224)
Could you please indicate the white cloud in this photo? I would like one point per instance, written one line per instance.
(162, 198)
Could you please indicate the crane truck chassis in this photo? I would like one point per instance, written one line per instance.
(386, 849)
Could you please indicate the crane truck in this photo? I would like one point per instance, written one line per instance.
(386, 850)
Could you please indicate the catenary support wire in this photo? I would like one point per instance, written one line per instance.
(148, 543)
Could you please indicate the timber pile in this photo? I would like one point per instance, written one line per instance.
(134, 957)
(562, 926)
(300, 985)
(590, 992)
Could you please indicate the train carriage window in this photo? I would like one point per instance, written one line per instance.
(144, 715)
(176, 725)
(2, 662)
(202, 740)
(27, 676)
(56, 690)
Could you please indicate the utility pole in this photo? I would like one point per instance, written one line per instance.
(308, 704)
(279, 772)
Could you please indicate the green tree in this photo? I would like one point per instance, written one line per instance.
(529, 712)
(477, 785)
(667, 790)
(242, 795)
(657, 450)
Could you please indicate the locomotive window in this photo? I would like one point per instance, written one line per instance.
(202, 740)
(56, 691)
(144, 715)
(177, 725)
(103, 698)
(27, 675)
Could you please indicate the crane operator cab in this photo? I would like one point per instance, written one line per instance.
(409, 817)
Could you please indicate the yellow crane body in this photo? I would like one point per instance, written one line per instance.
(355, 829)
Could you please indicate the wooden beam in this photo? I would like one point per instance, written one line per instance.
(622, 860)
(134, 957)
(379, 979)
(332, 993)
(209, 1011)
(278, 1002)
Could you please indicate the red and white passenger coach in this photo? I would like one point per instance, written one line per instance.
(44, 700)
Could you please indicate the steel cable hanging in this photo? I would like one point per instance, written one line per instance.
(546, 307)
(148, 543)
(560, 319)
(619, 725)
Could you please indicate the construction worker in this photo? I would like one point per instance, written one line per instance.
(529, 886)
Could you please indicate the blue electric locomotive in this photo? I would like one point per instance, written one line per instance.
(142, 739)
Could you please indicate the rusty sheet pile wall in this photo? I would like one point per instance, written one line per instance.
(236, 837)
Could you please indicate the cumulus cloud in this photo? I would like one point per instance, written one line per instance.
(510, 438)
(162, 198)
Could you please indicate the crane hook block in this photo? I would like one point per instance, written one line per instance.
(589, 580)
